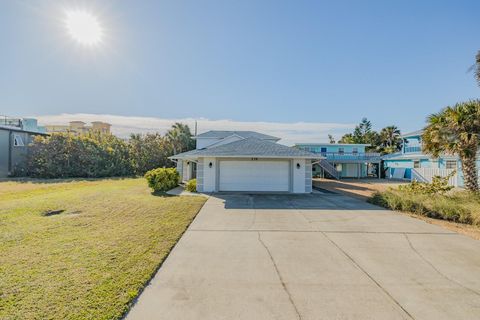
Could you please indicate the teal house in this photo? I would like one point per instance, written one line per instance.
(343, 160)
(412, 164)
(15, 136)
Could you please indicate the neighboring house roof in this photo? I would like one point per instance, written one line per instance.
(412, 134)
(214, 134)
(21, 130)
(405, 156)
(247, 148)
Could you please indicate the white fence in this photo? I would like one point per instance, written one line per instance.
(427, 174)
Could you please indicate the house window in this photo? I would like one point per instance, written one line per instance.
(18, 141)
(323, 150)
(416, 164)
(355, 150)
(341, 150)
(451, 164)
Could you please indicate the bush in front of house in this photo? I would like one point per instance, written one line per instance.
(191, 185)
(438, 185)
(461, 206)
(162, 179)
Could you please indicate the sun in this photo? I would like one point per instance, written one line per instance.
(83, 27)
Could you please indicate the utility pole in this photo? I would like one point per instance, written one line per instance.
(195, 127)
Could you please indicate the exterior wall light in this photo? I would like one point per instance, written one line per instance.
(210, 165)
(298, 165)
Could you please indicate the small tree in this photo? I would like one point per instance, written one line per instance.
(455, 130)
(331, 139)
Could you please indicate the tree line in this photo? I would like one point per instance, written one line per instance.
(95, 155)
(388, 140)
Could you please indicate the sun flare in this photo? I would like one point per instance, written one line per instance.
(83, 27)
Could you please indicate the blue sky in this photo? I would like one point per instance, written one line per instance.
(278, 62)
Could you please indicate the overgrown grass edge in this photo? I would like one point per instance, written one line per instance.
(460, 207)
(134, 300)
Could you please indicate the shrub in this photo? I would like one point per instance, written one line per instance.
(191, 185)
(438, 185)
(162, 179)
(463, 207)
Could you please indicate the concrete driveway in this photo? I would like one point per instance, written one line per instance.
(313, 256)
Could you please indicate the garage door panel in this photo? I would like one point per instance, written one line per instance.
(254, 175)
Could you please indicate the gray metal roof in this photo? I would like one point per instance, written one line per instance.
(243, 134)
(9, 128)
(412, 134)
(249, 147)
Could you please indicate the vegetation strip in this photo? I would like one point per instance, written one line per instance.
(463, 207)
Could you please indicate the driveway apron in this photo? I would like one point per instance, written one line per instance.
(317, 256)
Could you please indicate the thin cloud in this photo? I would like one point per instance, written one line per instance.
(290, 133)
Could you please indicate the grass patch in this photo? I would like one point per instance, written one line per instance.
(83, 249)
(460, 206)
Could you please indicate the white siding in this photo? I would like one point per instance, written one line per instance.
(209, 174)
(200, 168)
(308, 176)
(180, 169)
(186, 170)
(298, 176)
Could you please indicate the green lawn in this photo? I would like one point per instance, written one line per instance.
(91, 260)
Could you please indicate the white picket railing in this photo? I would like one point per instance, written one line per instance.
(427, 174)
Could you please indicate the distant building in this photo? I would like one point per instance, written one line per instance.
(343, 160)
(413, 164)
(15, 136)
(79, 127)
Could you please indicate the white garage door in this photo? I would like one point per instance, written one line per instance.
(254, 175)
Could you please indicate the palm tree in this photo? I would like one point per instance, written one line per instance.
(390, 139)
(180, 137)
(455, 130)
(477, 67)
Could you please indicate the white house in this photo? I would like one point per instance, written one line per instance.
(246, 161)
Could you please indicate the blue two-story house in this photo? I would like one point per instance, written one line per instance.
(412, 164)
(343, 160)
